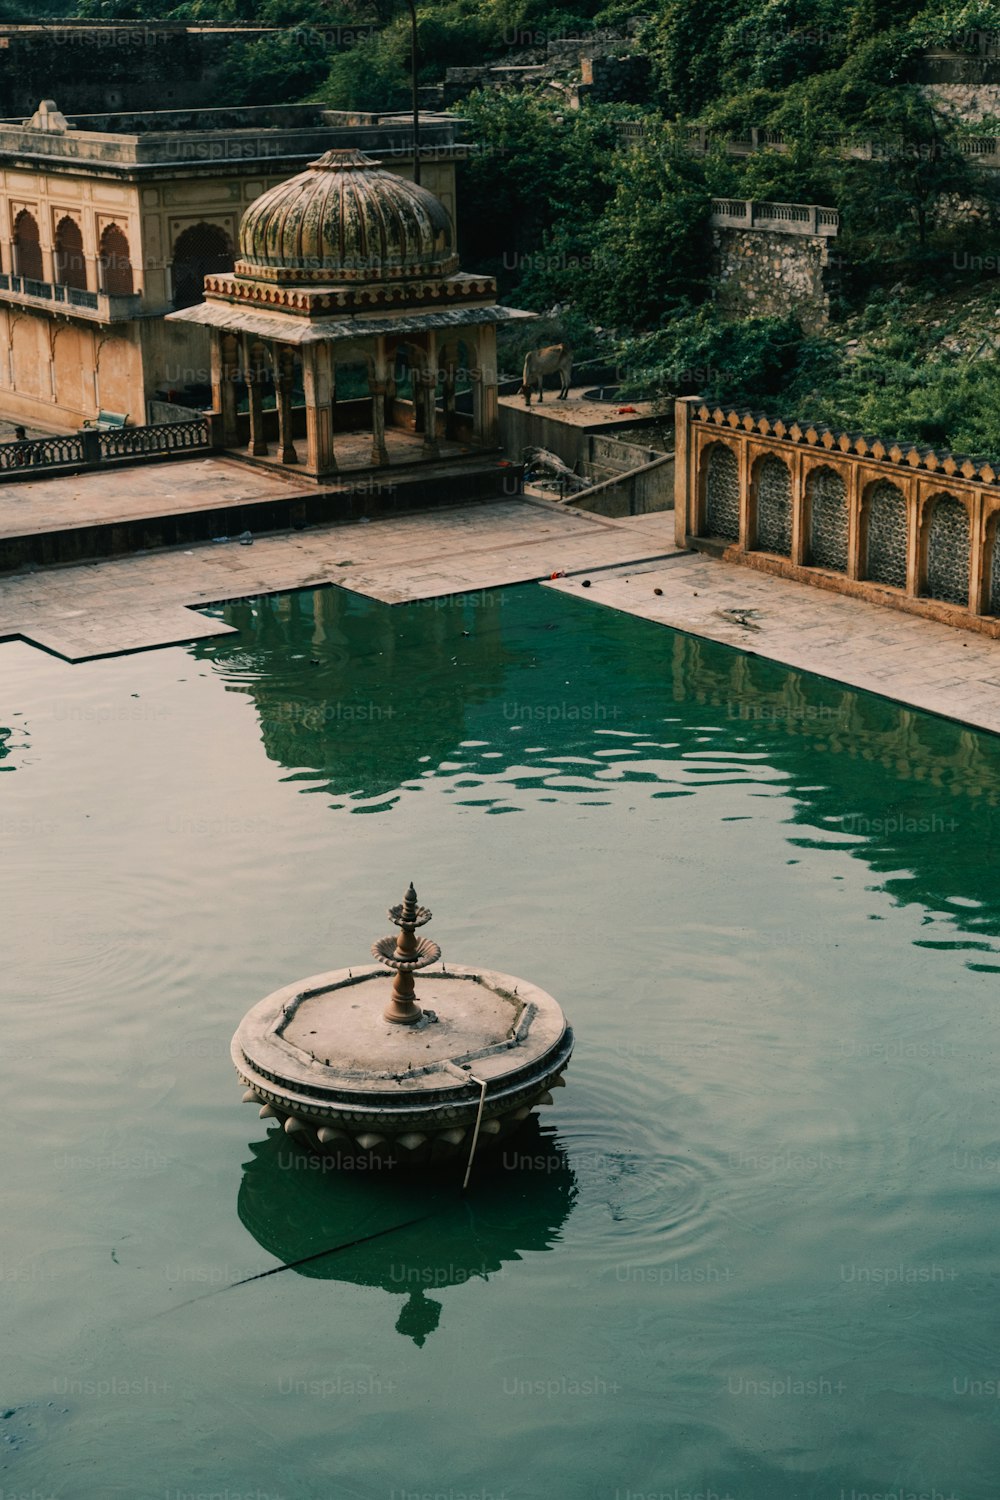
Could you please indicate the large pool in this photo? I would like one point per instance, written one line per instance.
(751, 1251)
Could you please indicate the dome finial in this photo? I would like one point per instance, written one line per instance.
(344, 159)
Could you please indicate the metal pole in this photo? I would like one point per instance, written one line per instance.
(413, 80)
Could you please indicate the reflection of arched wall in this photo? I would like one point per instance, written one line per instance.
(772, 506)
(884, 535)
(201, 250)
(71, 268)
(27, 247)
(722, 492)
(73, 357)
(30, 344)
(947, 541)
(115, 263)
(828, 520)
(119, 388)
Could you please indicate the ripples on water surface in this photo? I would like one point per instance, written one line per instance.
(751, 1249)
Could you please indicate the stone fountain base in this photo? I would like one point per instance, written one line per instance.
(320, 1057)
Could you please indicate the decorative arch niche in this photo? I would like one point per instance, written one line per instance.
(115, 263)
(721, 472)
(201, 250)
(27, 247)
(70, 265)
(947, 540)
(885, 534)
(772, 492)
(828, 520)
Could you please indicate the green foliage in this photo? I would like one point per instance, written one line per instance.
(277, 69)
(951, 24)
(648, 246)
(374, 75)
(696, 352)
(537, 184)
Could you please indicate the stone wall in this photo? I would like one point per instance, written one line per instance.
(893, 524)
(615, 79)
(124, 66)
(90, 70)
(767, 273)
(969, 102)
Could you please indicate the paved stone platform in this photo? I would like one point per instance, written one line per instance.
(113, 495)
(577, 411)
(145, 600)
(947, 671)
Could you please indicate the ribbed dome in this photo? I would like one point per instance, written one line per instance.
(344, 219)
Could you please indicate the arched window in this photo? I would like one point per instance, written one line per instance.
(722, 494)
(948, 551)
(827, 498)
(885, 535)
(27, 248)
(71, 268)
(115, 263)
(774, 507)
(203, 250)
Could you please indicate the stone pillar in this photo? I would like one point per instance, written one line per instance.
(252, 352)
(284, 375)
(429, 376)
(225, 355)
(915, 540)
(318, 378)
(485, 407)
(685, 473)
(748, 518)
(380, 453)
(448, 395)
(378, 381)
(978, 569)
(800, 538)
(855, 492)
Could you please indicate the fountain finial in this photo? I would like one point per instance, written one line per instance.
(406, 953)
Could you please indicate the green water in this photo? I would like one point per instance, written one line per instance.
(750, 1252)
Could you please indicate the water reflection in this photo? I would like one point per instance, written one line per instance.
(915, 796)
(355, 694)
(295, 1205)
(524, 694)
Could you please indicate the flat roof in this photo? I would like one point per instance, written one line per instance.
(132, 142)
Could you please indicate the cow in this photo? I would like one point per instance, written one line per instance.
(556, 359)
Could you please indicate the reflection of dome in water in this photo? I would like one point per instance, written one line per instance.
(294, 1209)
(357, 692)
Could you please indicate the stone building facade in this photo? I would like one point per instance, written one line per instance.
(111, 222)
(894, 524)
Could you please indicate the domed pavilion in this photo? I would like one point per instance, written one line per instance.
(349, 268)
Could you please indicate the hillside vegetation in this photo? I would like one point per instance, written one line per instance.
(615, 240)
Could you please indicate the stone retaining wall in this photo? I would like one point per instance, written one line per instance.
(766, 272)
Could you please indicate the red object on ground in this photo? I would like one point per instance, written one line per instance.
(624, 410)
(560, 574)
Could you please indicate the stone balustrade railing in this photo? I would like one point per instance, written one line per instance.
(983, 149)
(785, 218)
(90, 449)
(103, 307)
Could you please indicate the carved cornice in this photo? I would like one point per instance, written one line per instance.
(456, 291)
